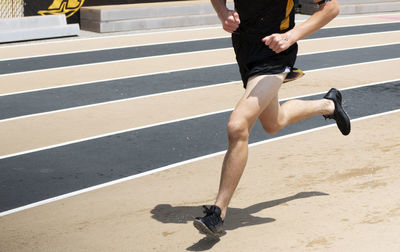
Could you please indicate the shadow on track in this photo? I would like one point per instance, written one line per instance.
(237, 217)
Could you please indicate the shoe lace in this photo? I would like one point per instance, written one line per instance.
(208, 211)
(332, 116)
(212, 217)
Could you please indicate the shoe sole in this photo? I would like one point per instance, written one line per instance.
(203, 229)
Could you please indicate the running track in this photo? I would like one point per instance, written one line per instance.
(86, 122)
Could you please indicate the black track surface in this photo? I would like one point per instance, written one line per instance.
(37, 176)
(67, 97)
(46, 62)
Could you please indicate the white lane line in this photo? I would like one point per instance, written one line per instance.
(112, 133)
(92, 188)
(161, 72)
(187, 40)
(352, 35)
(118, 78)
(110, 37)
(350, 48)
(180, 41)
(115, 47)
(153, 33)
(117, 101)
(115, 61)
(168, 122)
(172, 92)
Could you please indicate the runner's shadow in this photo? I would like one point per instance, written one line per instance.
(237, 217)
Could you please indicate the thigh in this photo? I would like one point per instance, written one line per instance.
(270, 116)
(260, 92)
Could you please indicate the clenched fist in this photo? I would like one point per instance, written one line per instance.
(277, 42)
(230, 20)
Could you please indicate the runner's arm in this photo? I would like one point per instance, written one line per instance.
(326, 12)
(229, 18)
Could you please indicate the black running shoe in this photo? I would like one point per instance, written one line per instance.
(211, 224)
(339, 115)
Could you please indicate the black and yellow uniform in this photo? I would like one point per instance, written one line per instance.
(258, 19)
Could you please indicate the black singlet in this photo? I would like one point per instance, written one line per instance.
(260, 18)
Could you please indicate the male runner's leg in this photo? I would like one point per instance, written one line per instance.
(259, 101)
(260, 92)
(275, 117)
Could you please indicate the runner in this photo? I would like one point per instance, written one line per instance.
(264, 38)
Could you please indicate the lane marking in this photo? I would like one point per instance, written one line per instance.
(160, 72)
(352, 35)
(117, 78)
(213, 27)
(113, 61)
(116, 101)
(112, 133)
(168, 92)
(188, 40)
(92, 188)
(116, 47)
(168, 122)
(178, 41)
(350, 48)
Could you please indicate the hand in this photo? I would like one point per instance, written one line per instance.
(230, 20)
(278, 42)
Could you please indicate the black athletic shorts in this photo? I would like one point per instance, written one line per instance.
(255, 58)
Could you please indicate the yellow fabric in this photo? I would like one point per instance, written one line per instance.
(286, 21)
(294, 75)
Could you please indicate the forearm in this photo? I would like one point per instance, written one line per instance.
(229, 18)
(219, 7)
(323, 16)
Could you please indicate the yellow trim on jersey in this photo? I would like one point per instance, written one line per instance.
(286, 21)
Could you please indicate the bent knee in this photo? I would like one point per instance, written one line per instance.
(272, 128)
(238, 129)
